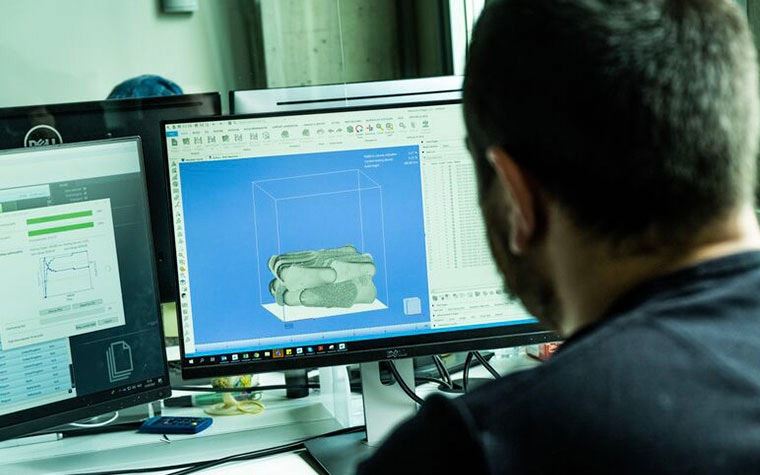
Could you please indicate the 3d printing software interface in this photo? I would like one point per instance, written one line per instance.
(385, 197)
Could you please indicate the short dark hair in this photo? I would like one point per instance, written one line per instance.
(639, 116)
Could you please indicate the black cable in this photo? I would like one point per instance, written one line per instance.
(196, 466)
(137, 470)
(466, 370)
(443, 371)
(427, 379)
(409, 392)
(486, 364)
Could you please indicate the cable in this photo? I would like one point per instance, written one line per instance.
(443, 371)
(137, 470)
(427, 379)
(466, 370)
(468, 362)
(409, 392)
(187, 468)
(486, 364)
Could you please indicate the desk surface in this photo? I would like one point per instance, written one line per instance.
(284, 421)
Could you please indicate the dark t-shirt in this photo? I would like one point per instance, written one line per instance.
(669, 382)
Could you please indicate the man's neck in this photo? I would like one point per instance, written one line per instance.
(589, 278)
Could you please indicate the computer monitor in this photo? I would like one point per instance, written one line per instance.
(326, 237)
(357, 94)
(36, 125)
(80, 321)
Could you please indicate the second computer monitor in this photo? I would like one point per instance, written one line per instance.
(357, 94)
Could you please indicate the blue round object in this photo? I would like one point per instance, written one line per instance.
(145, 85)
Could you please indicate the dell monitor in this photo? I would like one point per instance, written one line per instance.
(80, 320)
(37, 125)
(326, 237)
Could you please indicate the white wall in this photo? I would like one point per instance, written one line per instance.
(76, 50)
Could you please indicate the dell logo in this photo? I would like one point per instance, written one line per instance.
(395, 354)
(41, 135)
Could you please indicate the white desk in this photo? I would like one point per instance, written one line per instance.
(283, 421)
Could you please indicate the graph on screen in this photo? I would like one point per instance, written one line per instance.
(65, 273)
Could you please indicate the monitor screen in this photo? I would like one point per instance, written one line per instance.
(80, 327)
(47, 124)
(325, 237)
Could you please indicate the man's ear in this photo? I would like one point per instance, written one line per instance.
(522, 196)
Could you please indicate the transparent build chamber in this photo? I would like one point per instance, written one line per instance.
(320, 245)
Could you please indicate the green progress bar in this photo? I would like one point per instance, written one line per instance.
(61, 229)
(59, 217)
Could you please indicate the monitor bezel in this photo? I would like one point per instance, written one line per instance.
(401, 347)
(130, 103)
(359, 94)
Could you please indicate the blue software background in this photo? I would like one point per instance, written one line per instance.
(221, 241)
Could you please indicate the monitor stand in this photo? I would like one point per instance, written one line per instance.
(384, 408)
(124, 419)
(296, 383)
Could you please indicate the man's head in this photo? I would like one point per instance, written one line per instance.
(638, 118)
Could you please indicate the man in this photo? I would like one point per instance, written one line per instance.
(616, 144)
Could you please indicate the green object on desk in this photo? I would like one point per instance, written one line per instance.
(196, 400)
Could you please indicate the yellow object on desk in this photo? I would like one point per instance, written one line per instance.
(231, 406)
